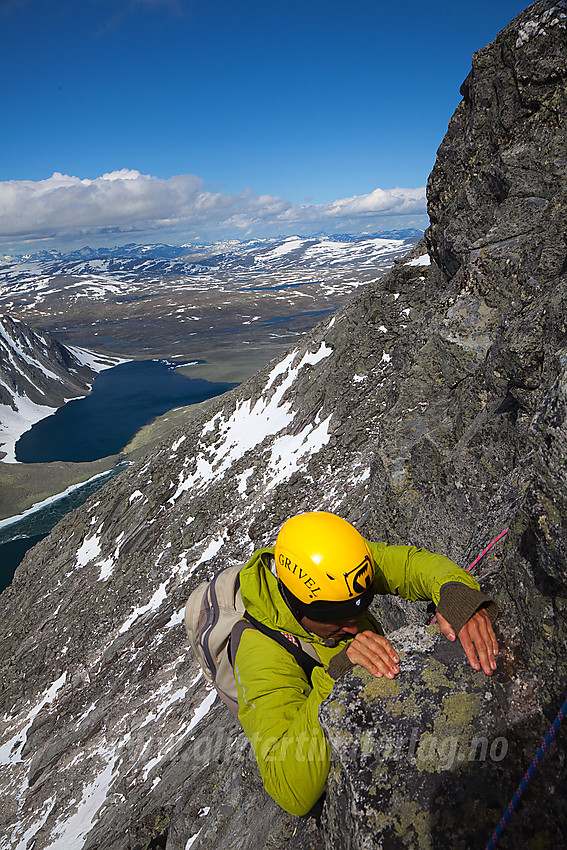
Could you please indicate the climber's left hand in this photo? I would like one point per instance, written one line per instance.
(478, 640)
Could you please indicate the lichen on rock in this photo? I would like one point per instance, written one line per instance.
(422, 760)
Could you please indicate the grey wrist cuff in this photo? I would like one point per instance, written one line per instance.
(458, 602)
(339, 664)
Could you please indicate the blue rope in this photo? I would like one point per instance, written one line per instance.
(515, 801)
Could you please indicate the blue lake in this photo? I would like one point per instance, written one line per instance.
(123, 399)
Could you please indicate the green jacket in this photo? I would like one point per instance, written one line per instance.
(278, 709)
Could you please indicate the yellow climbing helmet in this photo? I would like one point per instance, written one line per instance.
(324, 567)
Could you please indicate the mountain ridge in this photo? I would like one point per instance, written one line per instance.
(37, 375)
(147, 261)
(174, 251)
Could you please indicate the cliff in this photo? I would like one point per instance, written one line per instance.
(431, 410)
(433, 758)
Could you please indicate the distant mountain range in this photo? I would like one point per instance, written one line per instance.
(195, 304)
(209, 251)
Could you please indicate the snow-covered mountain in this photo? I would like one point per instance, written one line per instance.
(37, 375)
(231, 246)
(147, 261)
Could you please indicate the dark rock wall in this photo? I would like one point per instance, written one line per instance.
(476, 442)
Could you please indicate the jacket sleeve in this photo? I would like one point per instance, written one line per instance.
(413, 573)
(279, 714)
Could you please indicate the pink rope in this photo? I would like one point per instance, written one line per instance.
(488, 548)
(479, 558)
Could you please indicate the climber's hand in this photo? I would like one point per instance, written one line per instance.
(375, 653)
(478, 640)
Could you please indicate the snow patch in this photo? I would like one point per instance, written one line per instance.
(14, 423)
(106, 569)
(192, 840)
(94, 361)
(202, 710)
(290, 244)
(210, 551)
(243, 480)
(176, 619)
(289, 450)
(29, 834)
(174, 740)
(250, 424)
(423, 260)
(88, 551)
(10, 752)
(154, 715)
(177, 443)
(158, 597)
(70, 834)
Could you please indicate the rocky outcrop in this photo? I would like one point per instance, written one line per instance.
(430, 410)
(37, 366)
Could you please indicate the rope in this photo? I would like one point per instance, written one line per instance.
(541, 753)
(488, 548)
(482, 554)
(516, 799)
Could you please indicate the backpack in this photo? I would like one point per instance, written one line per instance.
(215, 618)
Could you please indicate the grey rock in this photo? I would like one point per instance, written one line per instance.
(492, 369)
(426, 759)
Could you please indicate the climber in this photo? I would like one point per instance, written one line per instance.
(315, 587)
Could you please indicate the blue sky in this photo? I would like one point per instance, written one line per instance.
(177, 120)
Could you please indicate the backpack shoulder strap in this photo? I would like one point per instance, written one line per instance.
(235, 636)
(306, 661)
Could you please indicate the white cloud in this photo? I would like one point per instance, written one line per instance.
(380, 201)
(126, 201)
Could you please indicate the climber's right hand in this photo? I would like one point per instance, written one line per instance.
(375, 653)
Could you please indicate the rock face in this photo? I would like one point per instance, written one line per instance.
(432, 410)
(433, 758)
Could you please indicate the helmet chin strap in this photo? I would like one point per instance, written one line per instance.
(285, 596)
